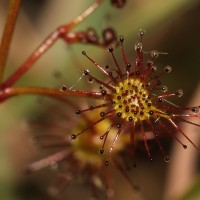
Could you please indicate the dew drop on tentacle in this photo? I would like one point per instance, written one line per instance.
(184, 146)
(154, 54)
(78, 112)
(166, 159)
(153, 68)
(63, 88)
(179, 93)
(168, 69)
(110, 48)
(102, 114)
(121, 39)
(103, 92)
(84, 53)
(101, 151)
(106, 163)
(138, 46)
(164, 89)
(195, 109)
(73, 137)
(141, 34)
(86, 72)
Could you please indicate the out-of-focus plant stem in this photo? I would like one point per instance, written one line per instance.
(13, 10)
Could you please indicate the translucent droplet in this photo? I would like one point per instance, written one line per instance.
(195, 109)
(179, 93)
(168, 69)
(166, 159)
(164, 89)
(141, 32)
(63, 88)
(153, 68)
(154, 54)
(138, 46)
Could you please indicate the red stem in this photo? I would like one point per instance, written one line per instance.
(13, 11)
(47, 43)
(9, 92)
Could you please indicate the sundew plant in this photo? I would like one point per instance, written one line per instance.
(122, 102)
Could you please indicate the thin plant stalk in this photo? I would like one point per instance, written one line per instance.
(60, 32)
(13, 10)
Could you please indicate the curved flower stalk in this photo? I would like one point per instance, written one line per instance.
(78, 160)
(133, 99)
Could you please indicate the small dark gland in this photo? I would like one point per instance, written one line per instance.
(164, 89)
(195, 109)
(121, 39)
(142, 32)
(107, 67)
(90, 80)
(153, 68)
(151, 112)
(130, 119)
(118, 125)
(102, 114)
(103, 92)
(78, 112)
(110, 73)
(84, 53)
(166, 159)
(185, 146)
(128, 65)
(149, 63)
(101, 137)
(167, 69)
(154, 54)
(110, 49)
(179, 93)
(101, 151)
(63, 88)
(73, 136)
(119, 114)
(85, 72)
(106, 163)
(160, 100)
